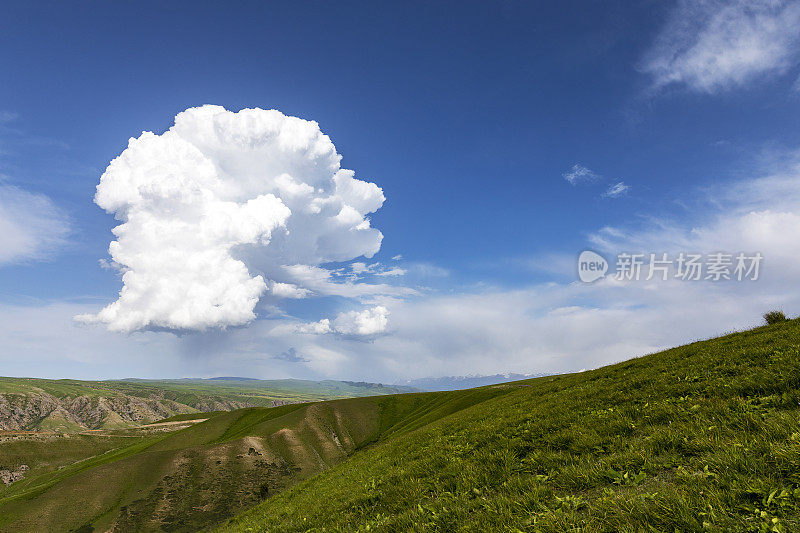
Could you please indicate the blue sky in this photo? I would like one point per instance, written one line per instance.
(467, 116)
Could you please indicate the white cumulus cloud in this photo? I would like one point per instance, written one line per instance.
(219, 204)
(710, 46)
(289, 290)
(365, 323)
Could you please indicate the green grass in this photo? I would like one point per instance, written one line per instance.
(44, 454)
(705, 437)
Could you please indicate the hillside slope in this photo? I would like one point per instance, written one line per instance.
(70, 405)
(701, 437)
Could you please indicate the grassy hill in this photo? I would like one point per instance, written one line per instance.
(705, 437)
(701, 437)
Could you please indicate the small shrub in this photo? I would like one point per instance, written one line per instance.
(773, 317)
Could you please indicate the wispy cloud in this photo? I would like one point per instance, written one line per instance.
(32, 227)
(616, 190)
(359, 270)
(711, 46)
(7, 116)
(580, 174)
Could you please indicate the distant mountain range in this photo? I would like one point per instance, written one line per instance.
(465, 382)
(30, 404)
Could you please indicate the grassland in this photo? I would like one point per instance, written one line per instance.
(704, 437)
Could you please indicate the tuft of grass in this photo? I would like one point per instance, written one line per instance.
(774, 317)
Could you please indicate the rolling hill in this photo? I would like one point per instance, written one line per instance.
(704, 437)
(701, 437)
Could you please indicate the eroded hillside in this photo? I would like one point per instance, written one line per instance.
(39, 410)
(204, 473)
